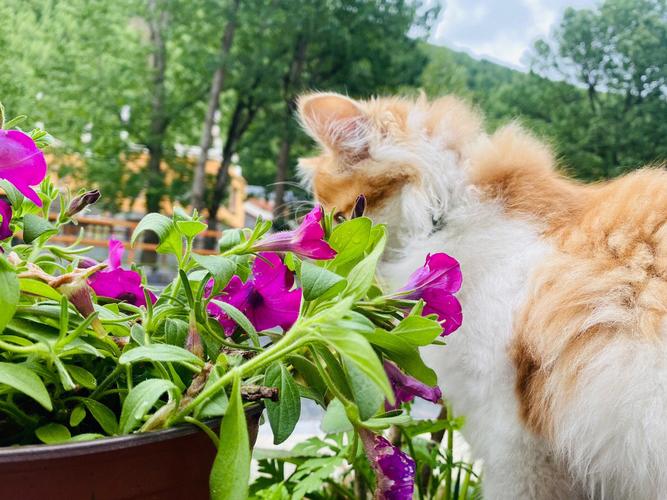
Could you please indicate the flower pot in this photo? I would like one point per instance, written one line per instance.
(169, 464)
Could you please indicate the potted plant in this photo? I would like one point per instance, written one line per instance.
(124, 386)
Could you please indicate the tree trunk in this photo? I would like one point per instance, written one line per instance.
(199, 181)
(222, 176)
(158, 118)
(290, 88)
(157, 24)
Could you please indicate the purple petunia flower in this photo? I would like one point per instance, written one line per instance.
(436, 283)
(22, 163)
(395, 470)
(406, 387)
(307, 240)
(267, 298)
(6, 214)
(118, 283)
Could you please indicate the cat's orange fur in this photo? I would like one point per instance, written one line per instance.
(606, 279)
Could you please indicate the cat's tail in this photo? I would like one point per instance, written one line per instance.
(612, 428)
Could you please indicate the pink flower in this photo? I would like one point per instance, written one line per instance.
(118, 283)
(436, 283)
(395, 470)
(267, 298)
(307, 240)
(6, 214)
(21, 163)
(406, 387)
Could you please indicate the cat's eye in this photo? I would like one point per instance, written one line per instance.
(339, 217)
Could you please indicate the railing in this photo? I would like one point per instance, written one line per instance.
(97, 231)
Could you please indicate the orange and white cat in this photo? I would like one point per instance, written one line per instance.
(560, 366)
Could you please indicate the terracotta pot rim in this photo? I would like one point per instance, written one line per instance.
(33, 452)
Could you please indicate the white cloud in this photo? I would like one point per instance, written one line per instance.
(501, 30)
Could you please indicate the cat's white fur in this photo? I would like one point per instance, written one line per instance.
(474, 370)
(600, 445)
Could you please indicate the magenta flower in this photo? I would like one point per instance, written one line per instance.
(6, 214)
(436, 283)
(267, 298)
(117, 283)
(307, 240)
(22, 163)
(394, 470)
(406, 387)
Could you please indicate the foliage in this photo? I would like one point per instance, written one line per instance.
(335, 467)
(77, 365)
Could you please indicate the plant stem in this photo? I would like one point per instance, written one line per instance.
(105, 383)
(204, 428)
(294, 339)
(450, 457)
(327, 379)
(420, 493)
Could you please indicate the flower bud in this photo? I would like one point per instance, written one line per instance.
(77, 292)
(359, 207)
(193, 342)
(82, 201)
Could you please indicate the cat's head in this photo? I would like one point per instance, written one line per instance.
(405, 156)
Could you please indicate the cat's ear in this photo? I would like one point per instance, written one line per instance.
(336, 122)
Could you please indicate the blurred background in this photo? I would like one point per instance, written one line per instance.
(191, 102)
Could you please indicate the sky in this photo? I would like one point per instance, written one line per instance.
(500, 30)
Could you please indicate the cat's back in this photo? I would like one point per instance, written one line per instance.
(623, 221)
(589, 346)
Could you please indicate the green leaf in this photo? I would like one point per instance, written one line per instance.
(367, 395)
(175, 331)
(312, 474)
(335, 419)
(404, 354)
(361, 276)
(317, 281)
(384, 422)
(309, 373)
(165, 229)
(138, 334)
(190, 228)
(418, 330)
(140, 399)
(333, 368)
(35, 226)
(229, 239)
(216, 405)
(104, 416)
(283, 414)
(77, 415)
(26, 381)
(356, 349)
(221, 268)
(9, 292)
(53, 433)
(350, 240)
(230, 475)
(82, 376)
(159, 352)
(14, 196)
(239, 318)
(39, 288)
(65, 378)
(86, 436)
(417, 427)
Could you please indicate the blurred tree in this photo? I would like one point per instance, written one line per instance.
(617, 52)
(217, 83)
